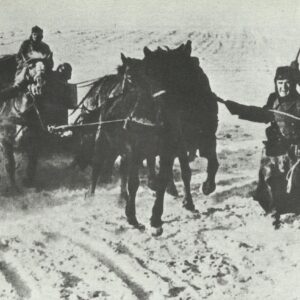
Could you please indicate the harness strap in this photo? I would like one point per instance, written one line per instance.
(86, 83)
(284, 114)
(54, 129)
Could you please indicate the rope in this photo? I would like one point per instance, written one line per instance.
(284, 114)
(68, 127)
(53, 129)
(290, 176)
(89, 81)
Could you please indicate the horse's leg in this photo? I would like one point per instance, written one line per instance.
(276, 222)
(107, 171)
(164, 175)
(186, 175)
(32, 155)
(124, 178)
(85, 152)
(171, 187)
(101, 152)
(10, 164)
(151, 174)
(209, 185)
(133, 185)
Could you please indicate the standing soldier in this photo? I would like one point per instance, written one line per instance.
(277, 187)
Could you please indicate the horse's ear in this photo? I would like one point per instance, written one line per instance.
(147, 51)
(180, 48)
(123, 58)
(188, 48)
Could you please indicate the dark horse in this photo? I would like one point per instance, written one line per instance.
(137, 140)
(24, 119)
(105, 91)
(184, 80)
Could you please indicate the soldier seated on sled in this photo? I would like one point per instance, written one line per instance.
(277, 188)
(32, 45)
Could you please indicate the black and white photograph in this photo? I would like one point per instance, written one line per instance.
(149, 150)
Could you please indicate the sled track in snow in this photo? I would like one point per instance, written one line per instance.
(136, 288)
(143, 281)
(12, 276)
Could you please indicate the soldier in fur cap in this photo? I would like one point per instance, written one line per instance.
(32, 45)
(281, 153)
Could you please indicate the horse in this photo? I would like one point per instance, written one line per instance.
(169, 141)
(104, 90)
(190, 94)
(8, 66)
(24, 119)
(186, 79)
(109, 88)
(132, 127)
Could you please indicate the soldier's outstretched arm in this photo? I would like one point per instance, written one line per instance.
(250, 113)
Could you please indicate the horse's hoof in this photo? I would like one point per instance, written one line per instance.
(208, 188)
(188, 206)
(277, 225)
(139, 226)
(135, 224)
(171, 190)
(156, 231)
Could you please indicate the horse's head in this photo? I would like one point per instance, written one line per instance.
(37, 68)
(173, 68)
(149, 91)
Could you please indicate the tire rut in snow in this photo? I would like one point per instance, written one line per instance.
(12, 276)
(175, 282)
(136, 288)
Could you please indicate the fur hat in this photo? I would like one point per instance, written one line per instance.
(285, 72)
(36, 29)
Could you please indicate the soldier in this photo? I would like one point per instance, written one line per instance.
(63, 72)
(32, 45)
(280, 155)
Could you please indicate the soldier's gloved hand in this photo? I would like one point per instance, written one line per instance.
(233, 107)
(295, 65)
